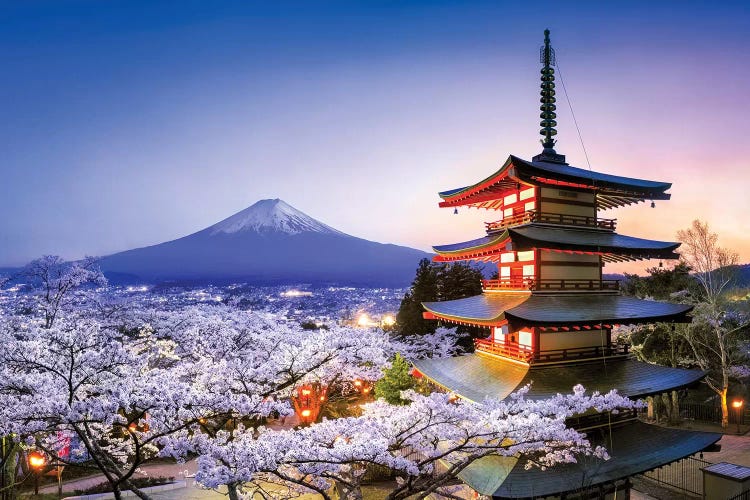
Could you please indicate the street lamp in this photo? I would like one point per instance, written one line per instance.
(737, 405)
(37, 461)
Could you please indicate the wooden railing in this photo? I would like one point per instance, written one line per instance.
(513, 351)
(525, 354)
(551, 218)
(581, 353)
(544, 285)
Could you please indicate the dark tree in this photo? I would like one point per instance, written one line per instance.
(424, 288)
(437, 282)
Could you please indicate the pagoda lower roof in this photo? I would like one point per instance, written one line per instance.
(612, 246)
(478, 376)
(560, 310)
(634, 448)
(611, 190)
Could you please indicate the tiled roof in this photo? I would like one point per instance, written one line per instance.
(558, 310)
(478, 376)
(634, 448)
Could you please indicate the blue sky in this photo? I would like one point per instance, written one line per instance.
(131, 123)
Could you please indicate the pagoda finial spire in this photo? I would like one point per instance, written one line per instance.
(548, 115)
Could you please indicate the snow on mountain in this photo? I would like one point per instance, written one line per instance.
(268, 242)
(271, 215)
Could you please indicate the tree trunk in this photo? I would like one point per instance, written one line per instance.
(676, 407)
(650, 411)
(724, 408)
(232, 489)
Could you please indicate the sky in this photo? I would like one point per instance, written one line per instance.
(129, 123)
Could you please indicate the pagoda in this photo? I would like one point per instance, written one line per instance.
(549, 315)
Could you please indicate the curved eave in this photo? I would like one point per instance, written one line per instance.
(611, 190)
(481, 310)
(634, 448)
(611, 246)
(477, 376)
(563, 310)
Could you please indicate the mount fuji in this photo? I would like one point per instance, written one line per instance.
(268, 242)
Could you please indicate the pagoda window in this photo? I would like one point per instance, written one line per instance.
(499, 333)
(508, 212)
(527, 193)
(511, 198)
(525, 338)
(507, 257)
(525, 256)
(505, 272)
(531, 205)
(529, 271)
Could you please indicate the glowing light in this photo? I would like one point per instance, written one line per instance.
(388, 320)
(296, 293)
(306, 413)
(737, 403)
(37, 460)
(305, 392)
(364, 320)
(357, 383)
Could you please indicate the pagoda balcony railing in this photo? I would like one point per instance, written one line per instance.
(550, 218)
(550, 285)
(513, 351)
(576, 353)
(527, 355)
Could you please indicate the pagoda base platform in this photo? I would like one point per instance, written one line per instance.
(478, 376)
(634, 448)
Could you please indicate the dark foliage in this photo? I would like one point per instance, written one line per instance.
(436, 282)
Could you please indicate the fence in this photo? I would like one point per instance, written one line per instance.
(707, 412)
(745, 495)
(685, 475)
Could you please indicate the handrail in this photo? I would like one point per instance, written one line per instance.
(526, 354)
(551, 218)
(550, 284)
(514, 351)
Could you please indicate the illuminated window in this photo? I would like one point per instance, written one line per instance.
(511, 198)
(525, 256)
(527, 193)
(508, 257)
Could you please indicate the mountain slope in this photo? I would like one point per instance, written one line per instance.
(269, 242)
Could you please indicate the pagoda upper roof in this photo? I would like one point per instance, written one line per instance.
(634, 448)
(611, 190)
(561, 310)
(478, 376)
(612, 246)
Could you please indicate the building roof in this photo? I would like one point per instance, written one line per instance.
(611, 190)
(479, 376)
(633, 447)
(556, 310)
(612, 246)
(729, 471)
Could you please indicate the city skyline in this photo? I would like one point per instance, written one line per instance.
(130, 124)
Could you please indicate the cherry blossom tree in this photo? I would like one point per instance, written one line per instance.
(428, 442)
(55, 282)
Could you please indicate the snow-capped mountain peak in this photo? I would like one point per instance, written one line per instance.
(271, 216)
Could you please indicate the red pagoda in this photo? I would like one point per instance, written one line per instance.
(550, 314)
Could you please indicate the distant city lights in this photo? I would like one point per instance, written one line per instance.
(296, 293)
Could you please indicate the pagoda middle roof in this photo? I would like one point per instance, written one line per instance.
(612, 190)
(634, 448)
(556, 310)
(479, 376)
(613, 246)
